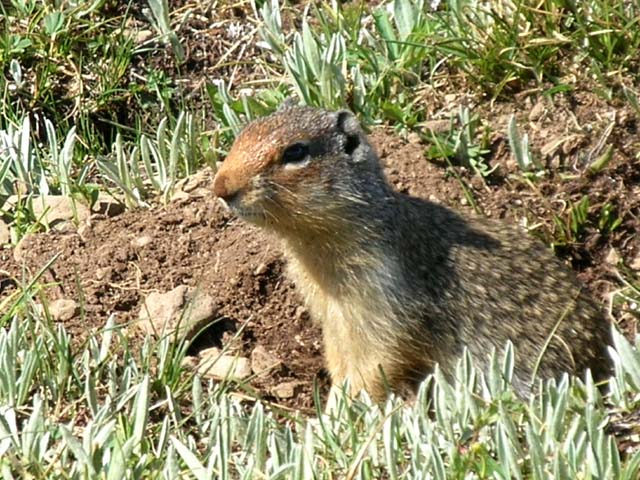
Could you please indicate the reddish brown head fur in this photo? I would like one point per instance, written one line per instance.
(260, 145)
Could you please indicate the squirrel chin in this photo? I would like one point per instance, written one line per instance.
(248, 214)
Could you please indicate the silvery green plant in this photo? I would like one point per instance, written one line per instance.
(125, 172)
(466, 149)
(232, 114)
(355, 62)
(27, 167)
(520, 146)
(19, 164)
(15, 69)
(158, 16)
(625, 385)
(152, 166)
(222, 99)
(314, 63)
(318, 67)
(61, 161)
(108, 413)
(271, 29)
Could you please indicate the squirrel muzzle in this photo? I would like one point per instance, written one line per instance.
(223, 188)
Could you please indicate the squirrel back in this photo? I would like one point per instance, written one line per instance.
(398, 283)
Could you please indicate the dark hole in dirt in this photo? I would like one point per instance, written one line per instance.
(213, 335)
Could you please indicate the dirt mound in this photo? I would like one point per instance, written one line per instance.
(112, 264)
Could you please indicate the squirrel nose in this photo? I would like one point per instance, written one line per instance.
(223, 190)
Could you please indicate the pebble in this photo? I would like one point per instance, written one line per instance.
(437, 126)
(184, 310)
(537, 111)
(107, 205)
(22, 248)
(260, 269)
(218, 366)
(262, 361)
(63, 309)
(5, 234)
(142, 241)
(57, 211)
(285, 389)
(613, 257)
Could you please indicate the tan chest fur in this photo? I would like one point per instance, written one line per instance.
(355, 322)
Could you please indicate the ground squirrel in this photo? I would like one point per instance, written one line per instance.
(398, 283)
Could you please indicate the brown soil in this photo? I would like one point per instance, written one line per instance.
(193, 241)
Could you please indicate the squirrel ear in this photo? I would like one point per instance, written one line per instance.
(349, 125)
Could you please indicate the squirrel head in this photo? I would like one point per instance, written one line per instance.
(298, 170)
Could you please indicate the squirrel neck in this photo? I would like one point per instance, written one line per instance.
(358, 241)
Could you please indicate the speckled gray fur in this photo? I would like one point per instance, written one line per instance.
(421, 281)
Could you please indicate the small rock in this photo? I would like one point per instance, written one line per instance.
(211, 352)
(285, 389)
(142, 36)
(414, 138)
(260, 269)
(191, 217)
(572, 143)
(551, 147)
(184, 309)
(537, 112)
(179, 196)
(218, 366)
(478, 183)
(635, 263)
(189, 362)
(200, 192)
(103, 273)
(192, 182)
(22, 248)
(5, 233)
(300, 312)
(59, 209)
(85, 230)
(58, 212)
(613, 257)
(63, 309)
(437, 126)
(262, 361)
(141, 241)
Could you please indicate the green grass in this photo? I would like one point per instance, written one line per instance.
(106, 410)
(74, 119)
(381, 67)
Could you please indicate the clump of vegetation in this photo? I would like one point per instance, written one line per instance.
(106, 413)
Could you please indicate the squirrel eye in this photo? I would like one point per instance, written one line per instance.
(295, 153)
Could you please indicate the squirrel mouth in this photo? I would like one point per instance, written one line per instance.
(249, 214)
